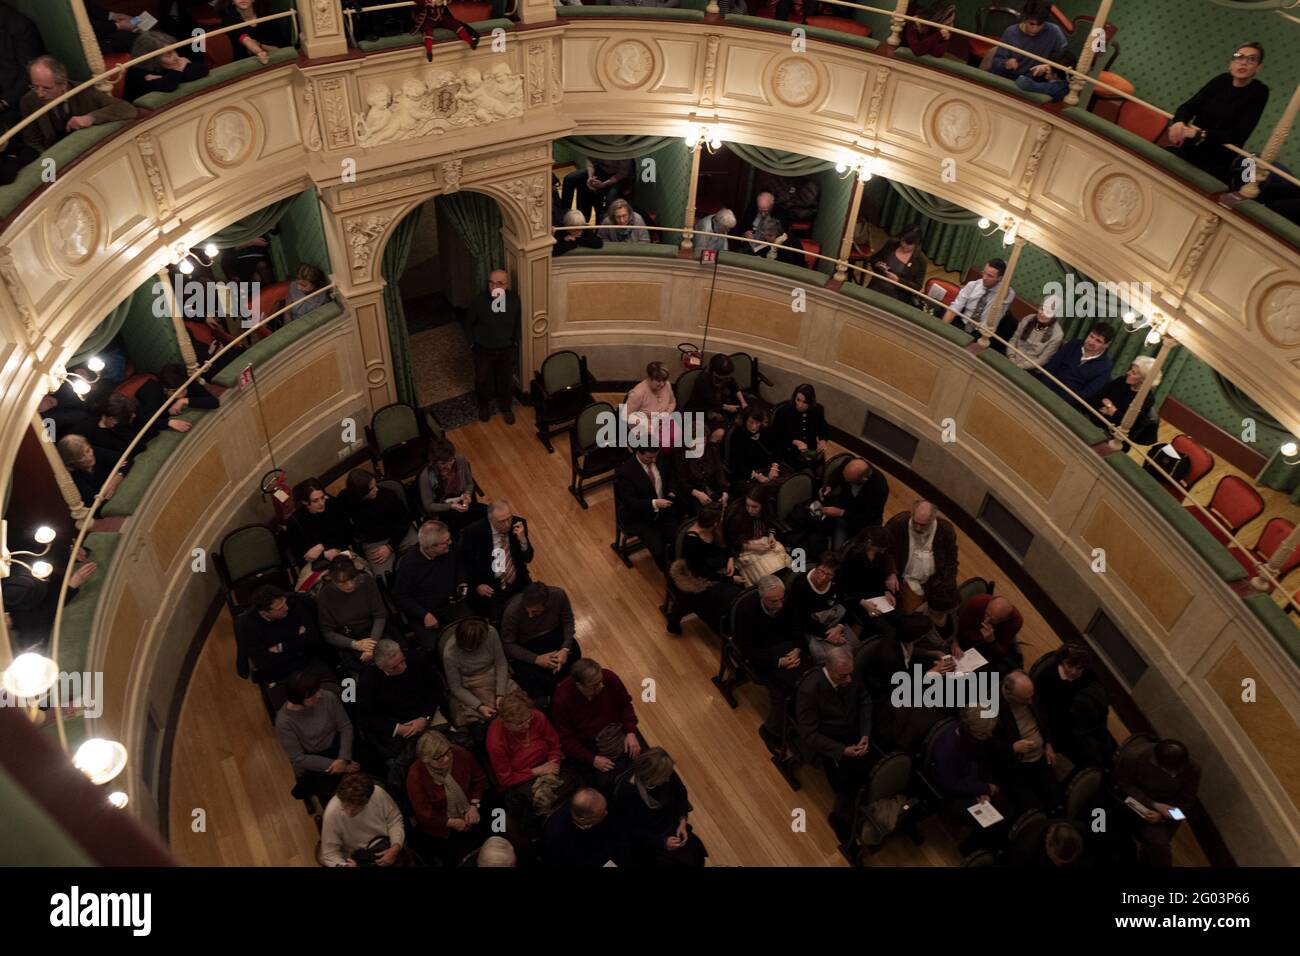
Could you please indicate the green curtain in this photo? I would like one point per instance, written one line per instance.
(149, 340)
(391, 268)
(932, 207)
(478, 220)
(615, 147)
(836, 197)
(779, 163)
(252, 226)
(951, 245)
(301, 236)
(103, 334)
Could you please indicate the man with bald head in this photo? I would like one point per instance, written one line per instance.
(495, 553)
(833, 713)
(428, 585)
(924, 547)
(1021, 747)
(991, 625)
(492, 328)
(90, 107)
(582, 834)
(856, 502)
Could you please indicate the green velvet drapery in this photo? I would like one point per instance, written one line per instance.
(779, 163)
(104, 332)
(399, 342)
(478, 220)
(615, 147)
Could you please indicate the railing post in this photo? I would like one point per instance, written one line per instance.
(1087, 55)
(712, 8)
(686, 244)
(846, 240)
(1135, 407)
(896, 23)
(1277, 561)
(67, 487)
(320, 28)
(1274, 144)
(536, 11)
(1000, 300)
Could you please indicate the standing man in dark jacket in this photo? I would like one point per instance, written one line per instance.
(492, 327)
(1162, 778)
(833, 714)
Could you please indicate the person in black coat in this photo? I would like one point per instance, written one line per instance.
(318, 530)
(865, 572)
(647, 502)
(652, 806)
(20, 43)
(716, 391)
(495, 553)
(834, 718)
(258, 40)
(750, 456)
(856, 502)
(901, 728)
(1224, 111)
(1022, 747)
(166, 71)
(583, 833)
(398, 697)
(155, 393)
(769, 634)
(380, 520)
(798, 431)
(700, 477)
(566, 240)
(782, 248)
(1117, 397)
(710, 567)
(430, 583)
(1076, 705)
(89, 471)
(277, 636)
(113, 30)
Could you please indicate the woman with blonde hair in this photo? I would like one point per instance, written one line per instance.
(1115, 398)
(652, 805)
(623, 224)
(446, 787)
(526, 755)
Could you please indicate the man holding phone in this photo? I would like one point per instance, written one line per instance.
(1163, 779)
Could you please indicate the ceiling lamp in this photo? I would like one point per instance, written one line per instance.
(99, 759)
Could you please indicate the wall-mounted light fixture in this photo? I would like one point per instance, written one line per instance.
(40, 569)
(708, 135)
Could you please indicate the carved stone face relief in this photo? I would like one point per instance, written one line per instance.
(795, 82)
(76, 230)
(955, 126)
(630, 64)
(1118, 203)
(229, 137)
(440, 101)
(1279, 315)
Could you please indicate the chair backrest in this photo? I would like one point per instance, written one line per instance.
(1081, 34)
(1142, 120)
(1270, 539)
(1041, 665)
(971, 587)
(843, 24)
(587, 426)
(219, 50)
(250, 549)
(397, 488)
(394, 424)
(406, 458)
(1202, 462)
(981, 858)
(133, 384)
(1082, 790)
(1236, 501)
(992, 21)
(470, 12)
(746, 599)
(947, 291)
(743, 371)
(686, 386)
(794, 491)
(889, 777)
(811, 251)
(561, 370)
(931, 738)
(1026, 833)
(835, 467)
(682, 529)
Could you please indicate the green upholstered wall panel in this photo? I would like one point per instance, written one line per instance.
(836, 195)
(33, 837)
(149, 341)
(302, 234)
(666, 195)
(58, 28)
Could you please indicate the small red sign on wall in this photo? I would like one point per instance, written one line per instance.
(709, 255)
(246, 377)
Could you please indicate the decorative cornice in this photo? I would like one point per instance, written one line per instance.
(710, 69)
(363, 234)
(1035, 157)
(148, 147)
(383, 187)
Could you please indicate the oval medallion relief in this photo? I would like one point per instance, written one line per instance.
(795, 82)
(956, 127)
(1279, 315)
(629, 64)
(76, 226)
(229, 137)
(1117, 203)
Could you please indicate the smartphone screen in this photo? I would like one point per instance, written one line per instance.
(1177, 814)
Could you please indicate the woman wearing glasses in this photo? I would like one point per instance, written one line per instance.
(1224, 111)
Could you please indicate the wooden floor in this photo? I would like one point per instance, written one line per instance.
(227, 761)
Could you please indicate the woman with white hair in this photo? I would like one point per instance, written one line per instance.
(623, 224)
(165, 72)
(724, 220)
(1037, 338)
(569, 238)
(1116, 397)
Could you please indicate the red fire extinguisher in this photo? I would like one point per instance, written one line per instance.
(691, 356)
(276, 487)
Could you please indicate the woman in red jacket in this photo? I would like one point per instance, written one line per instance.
(525, 753)
(446, 787)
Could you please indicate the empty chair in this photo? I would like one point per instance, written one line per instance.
(811, 251)
(1235, 504)
(587, 458)
(1142, 121)
(794, 491)
(1082, 792)
(973, 586)
(1270, 539)
(399, 440)
(248, 558)
(685, 386)
(625, 545)
(1026, 834)
(889, 779)
(746, 373)
(842, 24)
(560, 390)
(1202, 462)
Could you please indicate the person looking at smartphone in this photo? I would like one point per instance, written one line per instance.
(1162, 777)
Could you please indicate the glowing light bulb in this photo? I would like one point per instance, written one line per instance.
(42, 569)
(841, 167)
(95, 364)
(44, 534)
(1130, 318)
(1289, 449)
(30, 675)
(211, 250)
(984, 223)
(186, 267)
(81, 387)
(99, 759)
(1153, 337)
(118, 798)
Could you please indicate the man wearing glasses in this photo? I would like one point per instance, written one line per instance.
(1224, 111)
(49, 79)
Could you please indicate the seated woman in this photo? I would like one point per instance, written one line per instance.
(1116, 397)
(1037, 338)
(941, 605)
(569, 239)
(707, 568)
(903, 261)
(716, 392)
(752, 458)
(623, 224)
(653, 807)
(865, 573)
(259, 40)
(358, 814)
(477, 673)
(779, 246)
(798, 431)
(752, 534)
(446, 787)
(303, 295)
(653, 395)
(88, 471)
(353, 615)
(379, 519)
(111, 429)
(926, 40)
(525, 753)
(447, 487)
(318, 530)
(700, 476)
(820, 608)
(165, 72)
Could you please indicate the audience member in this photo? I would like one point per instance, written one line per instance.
(924, 549)
(1062, 845)
(446, 787)
(856, 502)
(1037, 338)
(818, 605)
(49, 81)
(492, 329)
(798, 432)
(715, 391)
(961, 765)
(759, 212)
(1075, 702)
(1021, 747)
(583, 834)
(942, 603)
(1049, 80)
(110, 430)
(596, 186)
(698, 470)
(495, 553)
(447, 489)
(797, 198)
(537, 632)
(924, 40)
(903, 261)
(770, 635)
(379, 518)
(990, 624)
(314, 730)
(653, 394)
(646, 506)
(596, 721)
(722, 221)
(1035, 33)
(398, 698)
(525, 753)
(571, 238)
(30, 602)
(353, 615)
(834, 714)
(477, 673)
(429, 584)
(1161, 776)
(318, 529)
(1225, 111)
(258, 40)
(361, 817)
(652, 806)
(276, 637)
(868, 572)
(752, 534)
(707, 569)
(1082, 367)
(751, 457)
(20, 43)
(778, 247)
(114, 32)
(901, 728)
(974, 303)
(165, 72)
(623, 224)
(304, 296)
(495, 852)
(89, 473)
(250, 261)
(155, 393)
(1114, 399)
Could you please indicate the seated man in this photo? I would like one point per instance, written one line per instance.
(833, 714)
(597, 185)
(770, 636)
(278, 636)
(1021, 748)
(153, 395)
(594, 716)
(113, 31)
(991, 624)
(429, 584)
(646, 502)
(1076, 705)
(570, 238)
(379, 520)
(110, 429)
(759, 211)
(495, 553)
(1225, 111)
(856, 502)
(398, 698)
(723, 221)
(1161, 776)
(353, 616)
(49, 81)
(974, 303)
(537, 631)
(357, 814)
(88, 471)
(1035, 33)
(892, 653)
(582, 834)
(623, 224)
(1082, 367)
(314, 730)
(31, 602)
(925, 549)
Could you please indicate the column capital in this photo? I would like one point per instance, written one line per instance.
(320, 27)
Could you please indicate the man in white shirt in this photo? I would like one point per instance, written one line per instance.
(975, 301)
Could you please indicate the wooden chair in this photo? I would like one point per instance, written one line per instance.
(592, 464)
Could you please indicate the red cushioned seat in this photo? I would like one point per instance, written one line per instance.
(1141, 120)
(470, 12)
(814, 248)
(133, 383)
(843, 24)
(1235, 503)
(1202, 461)
(1270, 539)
